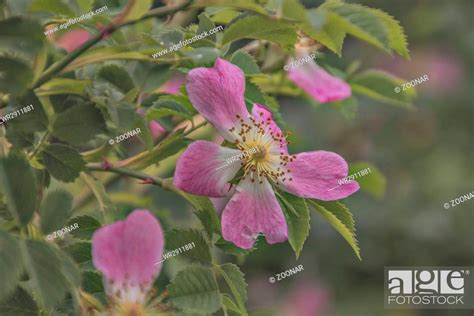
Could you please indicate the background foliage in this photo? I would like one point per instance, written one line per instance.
(57, 167)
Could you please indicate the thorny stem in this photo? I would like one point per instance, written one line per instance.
(60, 65)
(164, 183)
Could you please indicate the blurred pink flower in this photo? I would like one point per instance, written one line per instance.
(126, 252)
(306, 300)
(317, 82)
(172, 86)
(73, 39)
(156, 129)
(443, 66)
(218, 94)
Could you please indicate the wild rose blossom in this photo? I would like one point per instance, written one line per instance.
(73, 39)
(218, 94)
(126, 252)
(316, 81)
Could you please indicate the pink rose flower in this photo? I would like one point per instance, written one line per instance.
(126, 252)
(317, 82)
(73, 39)
(218, 94)
(156, 129)
(172, 86)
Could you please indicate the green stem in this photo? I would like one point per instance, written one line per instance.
(40, 144)
(127, 172)
(60, 65)
(195, 128)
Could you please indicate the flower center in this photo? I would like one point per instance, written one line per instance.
(267, 159)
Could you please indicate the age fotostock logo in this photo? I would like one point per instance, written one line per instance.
(429, 287)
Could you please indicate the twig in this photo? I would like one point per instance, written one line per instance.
(58, 66)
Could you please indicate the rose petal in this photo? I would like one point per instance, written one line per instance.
(218, 94)
(156, 129)
(172, 86)
(264, 116)
(319, 84)
(252, 210)
(203, 170)
(73, 39)
(127, 251)
(316, 174)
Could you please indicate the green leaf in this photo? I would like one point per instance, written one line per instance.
(260, 27)
(253, 94)
(87, 226)
(206, 24)
(149, 78)
(134, 10)
(80, 252)
(15, 75)
(360, 22)
(53, 7)
(79, 124)
(237, 285)
(339, 216)
(204, 211)
(32, 121)
(122, 116)
(348, 107)
(22, 36)
(57, 86)
(20, 140)
(117, 76)
(166, 148)
(170, 36)
(245, 62)
(229, 307)
(371, 25)
(17, 184)
(382, 86)
(69, 269)
(63, 162)
(203, 56)
(162, 108)
(10, 264)
(44, 269)
(325, 28)
(19, 303)
(99, 192)
(297, 217)
(92, 282)
(194, 289)
(176, 239)
(373, 183)
(101, 54)
(238, 4)
(55, 210)
(396, 34)
(231, 249)
(293, 9)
